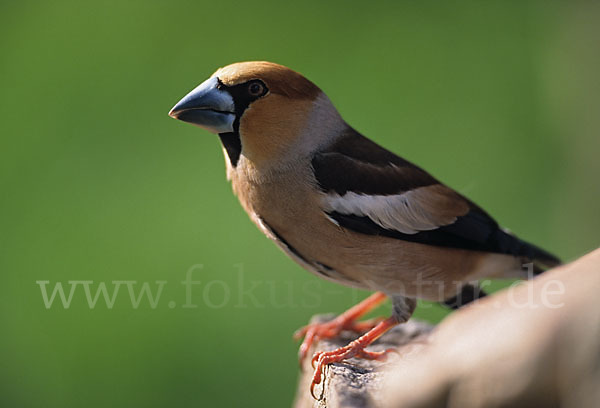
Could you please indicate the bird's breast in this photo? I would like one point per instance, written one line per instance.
(289, 209)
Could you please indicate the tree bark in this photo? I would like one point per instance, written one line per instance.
(536, 344)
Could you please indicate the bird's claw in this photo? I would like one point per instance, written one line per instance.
(320, 331)
(354, 349)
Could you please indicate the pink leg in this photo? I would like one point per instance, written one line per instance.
(354, 349)
(345, 321)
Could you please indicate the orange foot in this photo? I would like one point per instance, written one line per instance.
(329, 330)
(354, 349)
(346, 321)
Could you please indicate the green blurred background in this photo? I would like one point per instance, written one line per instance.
(499, 99)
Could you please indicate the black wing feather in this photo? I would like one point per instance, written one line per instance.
(359, 165)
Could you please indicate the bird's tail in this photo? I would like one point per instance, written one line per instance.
(539, 259)
(534, 259)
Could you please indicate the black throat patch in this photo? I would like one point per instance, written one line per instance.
(233, 146)
(242, 99)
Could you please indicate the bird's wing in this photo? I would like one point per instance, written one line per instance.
(372, 191)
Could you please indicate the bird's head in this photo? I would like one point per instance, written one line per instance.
(263, 111)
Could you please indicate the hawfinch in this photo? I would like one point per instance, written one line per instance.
(345, 208)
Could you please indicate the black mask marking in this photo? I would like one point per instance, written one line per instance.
(243, 95)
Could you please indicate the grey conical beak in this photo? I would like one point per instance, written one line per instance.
(207, 106)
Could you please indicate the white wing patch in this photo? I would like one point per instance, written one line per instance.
(421, 209)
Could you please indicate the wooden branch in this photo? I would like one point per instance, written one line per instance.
(537, 344)
(357, 383)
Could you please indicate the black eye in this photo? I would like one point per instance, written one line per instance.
(256, 89)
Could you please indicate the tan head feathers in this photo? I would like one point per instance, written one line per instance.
(279, 79)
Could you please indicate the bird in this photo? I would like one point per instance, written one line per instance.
(347, 209)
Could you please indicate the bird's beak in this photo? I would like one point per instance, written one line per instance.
(208, 107)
